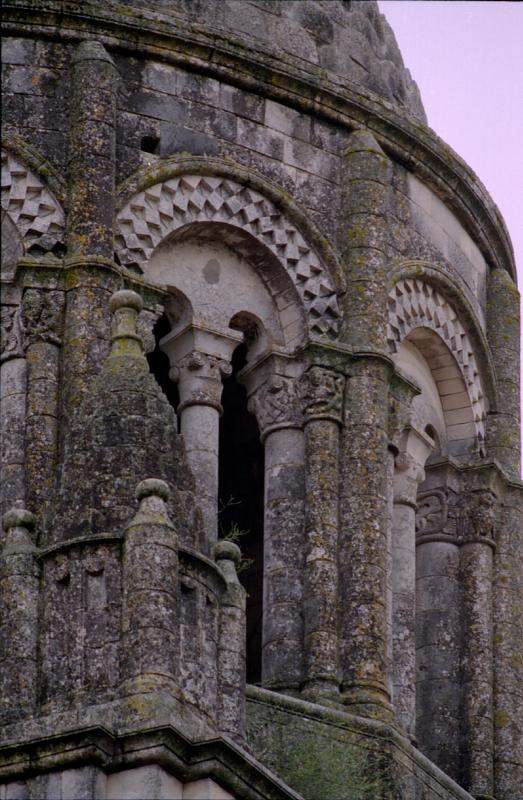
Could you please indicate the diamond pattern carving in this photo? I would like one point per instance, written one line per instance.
(29, 203)
(416, 304)
(153, 214)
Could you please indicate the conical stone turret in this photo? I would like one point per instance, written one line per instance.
(124, 431)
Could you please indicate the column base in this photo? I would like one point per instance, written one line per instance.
(321, 689)
(368, 701)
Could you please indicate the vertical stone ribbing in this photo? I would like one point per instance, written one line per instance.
(150, 597)
(476, 562)
(364, 541)
(322, 392)
(364, 497)
(19, 580)
(91, 180)
(366, 176)
(508, 647)
(231, 644)
(91, 152)
(503, 332)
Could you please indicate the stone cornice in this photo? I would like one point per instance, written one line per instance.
(304, 86)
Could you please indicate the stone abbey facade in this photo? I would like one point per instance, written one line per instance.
(260, 478)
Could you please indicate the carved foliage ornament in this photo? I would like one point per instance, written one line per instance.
(29, 203)
(416, 304)
(155, 213)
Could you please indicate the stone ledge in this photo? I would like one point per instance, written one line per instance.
(236, 769)
(381, 734)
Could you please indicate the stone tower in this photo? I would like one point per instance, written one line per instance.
(262, 508)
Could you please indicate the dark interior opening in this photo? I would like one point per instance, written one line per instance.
(241, 500)
(159, 363)
(150, 144)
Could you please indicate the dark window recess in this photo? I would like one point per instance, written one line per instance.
(159, 363)
(241, 469)
(150, 144)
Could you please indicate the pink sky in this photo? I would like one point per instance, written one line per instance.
(467, 59)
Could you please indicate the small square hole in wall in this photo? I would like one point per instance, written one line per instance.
(150, 144)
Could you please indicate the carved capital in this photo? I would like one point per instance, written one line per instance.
(432, 513)
(276, 404)
(478, 517)
(12, 333)
(42, 316)
(408, 475)
(321, 392)
(199, 377)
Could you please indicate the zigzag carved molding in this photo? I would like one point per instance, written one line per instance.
(416, 304)
(29, 203)
(156, 212)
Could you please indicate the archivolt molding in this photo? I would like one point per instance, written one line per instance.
(413, 303)
(33, 208)
(156, 212)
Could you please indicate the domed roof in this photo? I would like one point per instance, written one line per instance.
(349, 38)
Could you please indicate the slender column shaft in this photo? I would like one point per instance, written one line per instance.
(438, 629)
(478, 739)
(200, 429)
(364, 542)
(199, 360)
(403, 614)
(13, 401)
(19, 606)
(282, 638)
(408, 474)
(43, 323)
(476, 568)
(322, 391)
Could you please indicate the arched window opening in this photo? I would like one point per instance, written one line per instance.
(159, 363)
(240, 501)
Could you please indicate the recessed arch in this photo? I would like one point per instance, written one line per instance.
(453, 287)
(416, 308)
(156, 212)
(30, 204)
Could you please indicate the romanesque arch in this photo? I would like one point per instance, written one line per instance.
(416, 305)
(157, 212)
